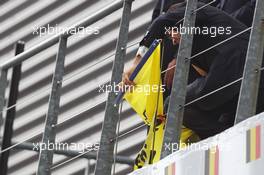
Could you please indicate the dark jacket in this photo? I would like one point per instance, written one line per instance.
(224, 63)
(242, 10)
(166, 6)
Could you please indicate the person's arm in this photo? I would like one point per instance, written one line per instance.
(245, 13)
(194, 73)
(217, 77)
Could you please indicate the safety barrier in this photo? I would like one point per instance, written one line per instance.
(238, 150)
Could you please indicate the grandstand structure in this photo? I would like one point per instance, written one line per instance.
(59, 98)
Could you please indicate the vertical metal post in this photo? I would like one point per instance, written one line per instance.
(178, 91)
(87, 169)
(3, 84)
(105, 154)
(48, 140)
(10, 114)
(250, 84)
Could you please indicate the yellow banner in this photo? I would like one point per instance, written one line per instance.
(146, 98)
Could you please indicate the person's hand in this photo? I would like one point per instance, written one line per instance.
(126, 82)
(127, 74)
(168, 79)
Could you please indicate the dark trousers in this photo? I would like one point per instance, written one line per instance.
(210, 123)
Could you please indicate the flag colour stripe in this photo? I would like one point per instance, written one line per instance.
(166, 170)
(171, 169)
(217, 161)
(206, 162)
(248, 146)
(174, 169)
(258, 142)
(253, 145)
(212, 161)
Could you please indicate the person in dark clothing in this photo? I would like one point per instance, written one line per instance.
(223, 64)
(166, 6)
(169, 49)
(242, 10)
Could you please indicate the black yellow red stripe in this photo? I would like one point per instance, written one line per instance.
(212, 161)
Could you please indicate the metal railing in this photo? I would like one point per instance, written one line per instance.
(46, 156)
(105, 156)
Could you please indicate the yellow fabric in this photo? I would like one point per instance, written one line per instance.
(143, 99)
(144, 96)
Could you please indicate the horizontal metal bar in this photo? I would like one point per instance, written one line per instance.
(84, 70)
(71, 153)
(128, 132)
(53, 40)
(210, 48)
